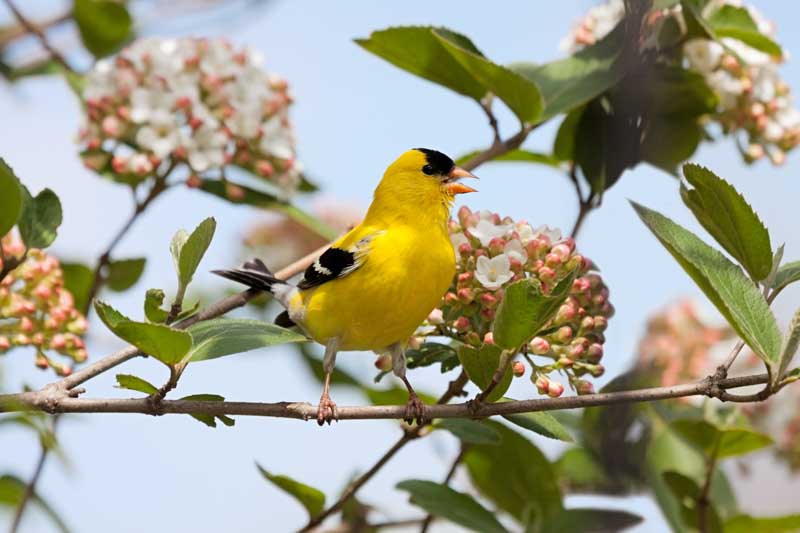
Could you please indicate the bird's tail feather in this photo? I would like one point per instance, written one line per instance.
(254, 274)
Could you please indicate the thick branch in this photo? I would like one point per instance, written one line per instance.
(41, 401)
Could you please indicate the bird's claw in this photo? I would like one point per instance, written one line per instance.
(415, 408)
(327, 410)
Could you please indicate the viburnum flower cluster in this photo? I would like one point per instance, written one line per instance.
(493, 252)
(678, 344)
(197, 102)
(754, 101)
(37, 311)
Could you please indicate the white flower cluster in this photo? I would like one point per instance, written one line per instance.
(753, 99)
(195, 101)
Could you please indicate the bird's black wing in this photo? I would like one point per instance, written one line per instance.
(335, 263)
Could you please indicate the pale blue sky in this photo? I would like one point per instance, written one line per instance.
(354, 114)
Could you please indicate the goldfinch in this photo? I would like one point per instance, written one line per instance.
(375, 285)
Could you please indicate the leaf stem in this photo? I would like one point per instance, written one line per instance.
(30, 488)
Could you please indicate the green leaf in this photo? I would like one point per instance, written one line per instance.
(442, 501)
(688, 493)
(518, 93)
(127, 381)
(469, 431)
(542, 423)
(568, 83)
(153, 300)
(685, 132)
(516, 156)
(78, 279)
(725, 214)
(515, 476)
(749, 524)
(11, 490)
(722, 441)
(309, 497)
(123, 274)
(431, 353)
(417, 50)
(669, 452)
(736, 22)
(790, 344)
(481, 364)
(579, 471)
(208, 419)
(10, 198)
(733, 294)
(225, 336)
(564, 144)
(786, 275)
(40, 219)
(591, 521)
(104, 25)
(162, 342)
(249, 196)
(194, 248)
(525, 310)
(696, 26)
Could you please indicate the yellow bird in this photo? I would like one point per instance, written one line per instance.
(375, 285)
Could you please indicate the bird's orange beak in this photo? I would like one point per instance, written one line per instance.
(451, 184)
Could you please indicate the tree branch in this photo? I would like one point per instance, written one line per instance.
(499, 147)
(32, 28)
(30, 488)
(41, 401)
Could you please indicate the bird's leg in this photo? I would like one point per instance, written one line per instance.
(326, 411)
(415, 408)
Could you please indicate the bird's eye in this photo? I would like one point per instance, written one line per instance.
(427, 169)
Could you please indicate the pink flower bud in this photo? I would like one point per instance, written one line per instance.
(194, 181)
(518, 369)
(497, 245)
(111, 126)
(450, 298)
(546, 274)
(465, 296)
(597, 370)
(58, 342)
(539, 346)
(234, 192)
(565, 362)
(119, 165)
(464, 248)
(542, 384)
(487, 314)
(576, 351)
(563, 335)
(80, 356)
(584, 387)
(552, 260)
(26, 325)
(462, 324)
(384, 363)
(594, 353)
(42, 361)
(587, 324)
(581, 285)
(488, 300)
(415, 342)
(488, 338)
(465, 277)
(600, 323)
(264, 168)
(436, 317)
(5, 344)
(555, 389)
(43, 292)
(562, 251)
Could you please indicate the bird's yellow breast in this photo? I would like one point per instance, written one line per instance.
(406, 271)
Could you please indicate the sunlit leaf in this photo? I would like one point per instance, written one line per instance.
(226, 336)
(135, 383)
(10, 198)
(104, 25)
(481, 364)
(41, 216)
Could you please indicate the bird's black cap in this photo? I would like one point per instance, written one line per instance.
(438, 163)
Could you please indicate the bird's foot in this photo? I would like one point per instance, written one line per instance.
(327, 410)
(415, 408)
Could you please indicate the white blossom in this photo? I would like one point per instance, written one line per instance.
(493, 273)
(486, 230)
(703, 55)
(515, 250)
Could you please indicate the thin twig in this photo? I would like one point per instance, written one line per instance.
(486, 105)
(499, 148)
(40, 35)
(447, 479)
(704, 499)
(30, 488)
(159, 186)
